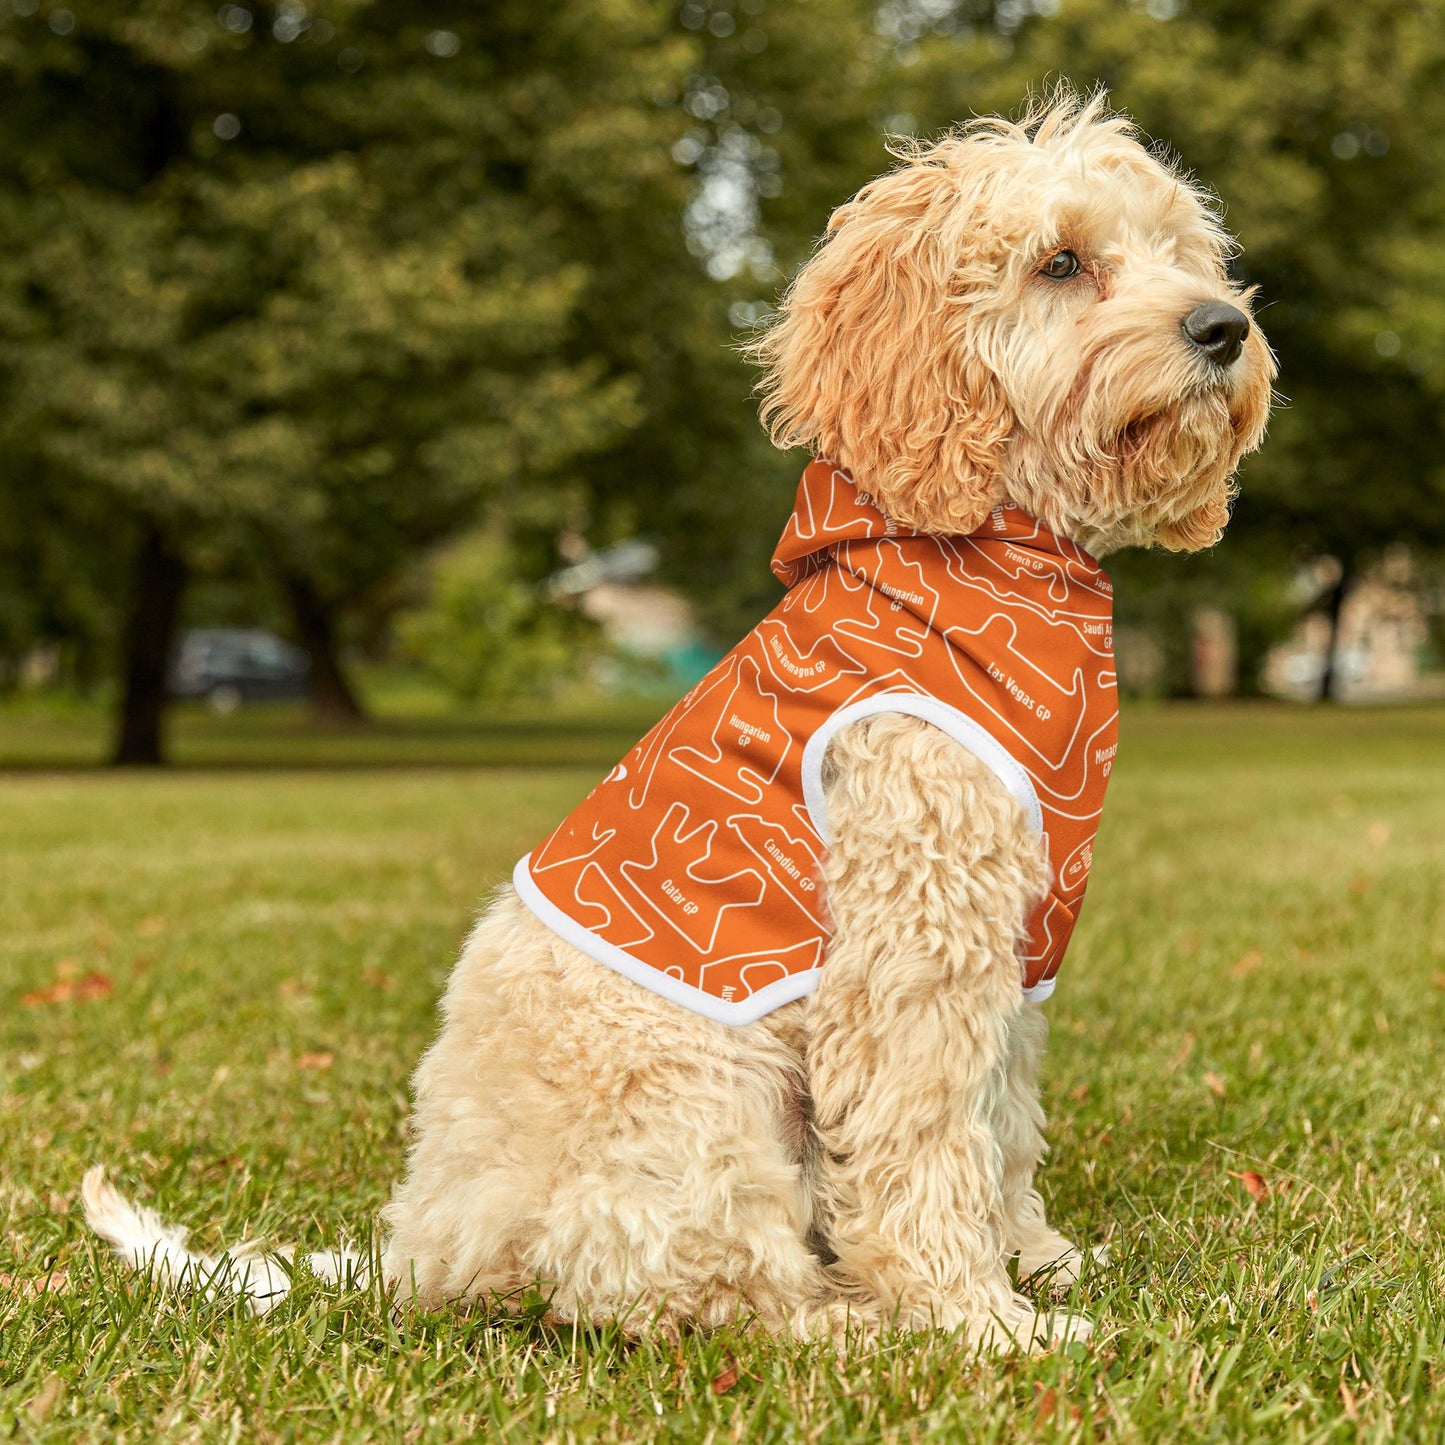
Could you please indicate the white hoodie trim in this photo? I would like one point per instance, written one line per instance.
(959, 726)
(744, 1011)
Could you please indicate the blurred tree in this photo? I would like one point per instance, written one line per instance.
(329, 283)
(482, 633)
(58, 570)
(293, 281)
(782, 109)
(1318, 122)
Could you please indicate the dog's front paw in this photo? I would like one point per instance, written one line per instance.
(1057, 1267)
(1023, 1326)
(1061, 1327)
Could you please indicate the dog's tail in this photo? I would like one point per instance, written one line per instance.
(147, 1243)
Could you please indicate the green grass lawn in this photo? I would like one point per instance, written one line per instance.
(252, 958)
(407, 728)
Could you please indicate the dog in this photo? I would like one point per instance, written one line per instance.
(697, 1063)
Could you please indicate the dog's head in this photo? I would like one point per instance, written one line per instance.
(1035, 311)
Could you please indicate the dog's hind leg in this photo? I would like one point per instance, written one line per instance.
(1042, 1251)
(931, 873)
(578, 1135)
(486, 1129)
(681, 1199)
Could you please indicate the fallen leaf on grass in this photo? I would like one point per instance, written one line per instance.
(1255, 1184)
(1079, 1094)
(723, 1382)
(1181, 1054)
(56, 1282)
(1046, 1407)
(1440, 980)
(67, 990)
(45, 1399)
(1248, 962)
(322, 1059)
(1214, 1083)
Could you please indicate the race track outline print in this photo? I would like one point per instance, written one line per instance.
(1024, 691)
(830, 508)
(998, 581)
(897, 613)
(650, 752)
(800, 664)
(763, 968)
(746, 721)
(694, 866)
(676, 881)
(602, 910)
(589, 847)
(790, 859)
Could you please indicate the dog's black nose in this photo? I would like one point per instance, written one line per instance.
(1218, 330)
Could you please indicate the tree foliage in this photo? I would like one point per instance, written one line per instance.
(483, 633)
(315, 286)
(1317, 122)
(306, 290)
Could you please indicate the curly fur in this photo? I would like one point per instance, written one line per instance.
(921, 349)
(647, 1164)
(865, 1156)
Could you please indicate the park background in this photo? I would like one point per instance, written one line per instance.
(408, 334)
(415, 342)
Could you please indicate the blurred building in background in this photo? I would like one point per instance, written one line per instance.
(653, 635)
(1383, 644)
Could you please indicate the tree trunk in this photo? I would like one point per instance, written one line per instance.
(160, 579)
(333, 699)
(1334, 608)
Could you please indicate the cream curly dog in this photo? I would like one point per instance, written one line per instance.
(1025, 319)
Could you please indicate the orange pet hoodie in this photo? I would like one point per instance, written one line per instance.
(693, 867)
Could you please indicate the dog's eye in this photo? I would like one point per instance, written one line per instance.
(1060, 266)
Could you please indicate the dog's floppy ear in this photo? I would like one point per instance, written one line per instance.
(872, 361)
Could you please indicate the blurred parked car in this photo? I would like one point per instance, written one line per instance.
(230, 665)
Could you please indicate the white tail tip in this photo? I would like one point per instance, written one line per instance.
(148, 1244)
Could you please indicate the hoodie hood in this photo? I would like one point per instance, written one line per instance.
(831, 510)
